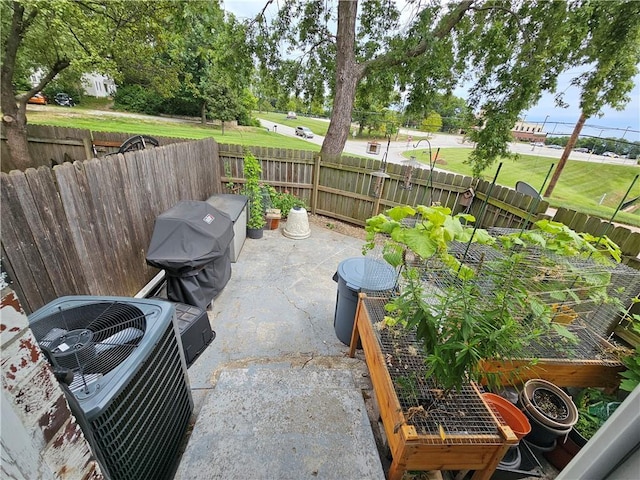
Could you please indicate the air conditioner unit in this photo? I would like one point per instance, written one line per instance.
(126, 379)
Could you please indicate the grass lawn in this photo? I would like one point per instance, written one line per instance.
(319, 127)
(592, 188)
(589, 187)
(77, 118)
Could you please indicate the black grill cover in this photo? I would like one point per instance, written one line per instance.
(191, 242)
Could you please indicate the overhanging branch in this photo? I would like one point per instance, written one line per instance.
(447, 23)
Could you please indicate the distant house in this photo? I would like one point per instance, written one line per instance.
(98, 85)
(528, 132)
(94, 84)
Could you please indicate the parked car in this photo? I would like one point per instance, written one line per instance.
(581, 150)
(610, 154)
(537, 144)
(64, 100)
(304, 132)
(556, 147)
(292, 115)
(38, 99)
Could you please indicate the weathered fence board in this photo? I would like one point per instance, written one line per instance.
(42, 185)
(50, 145)
(18, 243)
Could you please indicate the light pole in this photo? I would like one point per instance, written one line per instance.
(625, 132)
(594, 145)
(544, 123)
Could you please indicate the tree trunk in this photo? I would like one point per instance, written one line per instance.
(203, 113)
(14, 114)
(565, 155)
(15, 127)
(348, 73)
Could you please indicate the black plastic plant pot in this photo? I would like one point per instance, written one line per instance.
(542, 436)
(550, 411)
(255, 233)
(549, 405)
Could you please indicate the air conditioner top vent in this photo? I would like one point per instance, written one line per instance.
(92, 336)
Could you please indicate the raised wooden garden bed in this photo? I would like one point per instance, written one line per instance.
(591, 363)
(426, 428)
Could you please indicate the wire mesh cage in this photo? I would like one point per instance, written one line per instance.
(448, 417)
(586, 293)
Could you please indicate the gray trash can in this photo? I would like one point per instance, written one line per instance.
(354, 275)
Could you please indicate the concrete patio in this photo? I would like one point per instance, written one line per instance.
(275, 393)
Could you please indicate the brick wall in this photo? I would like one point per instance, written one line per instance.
(40, 438)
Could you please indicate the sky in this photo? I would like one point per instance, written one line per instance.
(617, 124)
(613, 123)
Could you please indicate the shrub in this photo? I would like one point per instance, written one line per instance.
(136, 98)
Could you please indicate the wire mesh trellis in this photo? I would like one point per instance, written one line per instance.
(588, 293)
(455, 417)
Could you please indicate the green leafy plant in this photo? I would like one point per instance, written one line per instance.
(252, 172)
(467, 314)
(284, 201)
(631, 375)
(594, 407)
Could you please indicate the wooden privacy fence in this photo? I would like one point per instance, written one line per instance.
(50, 145)
(345, 189)
(84, 228)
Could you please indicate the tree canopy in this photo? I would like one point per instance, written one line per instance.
(363, 55)
(81, 36)
(510, 52)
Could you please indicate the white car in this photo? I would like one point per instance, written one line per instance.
(610, 154)
(304, 132)
(291, 115)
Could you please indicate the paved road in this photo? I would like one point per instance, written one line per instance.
(396, 148)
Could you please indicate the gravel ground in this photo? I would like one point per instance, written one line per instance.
(338, 226)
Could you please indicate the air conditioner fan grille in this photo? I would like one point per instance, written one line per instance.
(93, 338)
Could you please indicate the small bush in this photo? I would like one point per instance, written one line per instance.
(136, 98)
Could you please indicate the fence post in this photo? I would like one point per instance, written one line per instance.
(316, 182)
(88, 147)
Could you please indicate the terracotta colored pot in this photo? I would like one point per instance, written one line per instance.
(511, 414)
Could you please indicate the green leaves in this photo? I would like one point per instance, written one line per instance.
(631, 375)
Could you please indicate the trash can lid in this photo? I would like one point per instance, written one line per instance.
(367, 273)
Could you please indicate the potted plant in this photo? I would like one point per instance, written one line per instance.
(253, 191)
(594, 407)
(284, 201)
(550, 411)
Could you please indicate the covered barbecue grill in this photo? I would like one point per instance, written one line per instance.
(191, 242)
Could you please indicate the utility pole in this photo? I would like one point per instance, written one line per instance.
(565, 154)
(625, 132)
